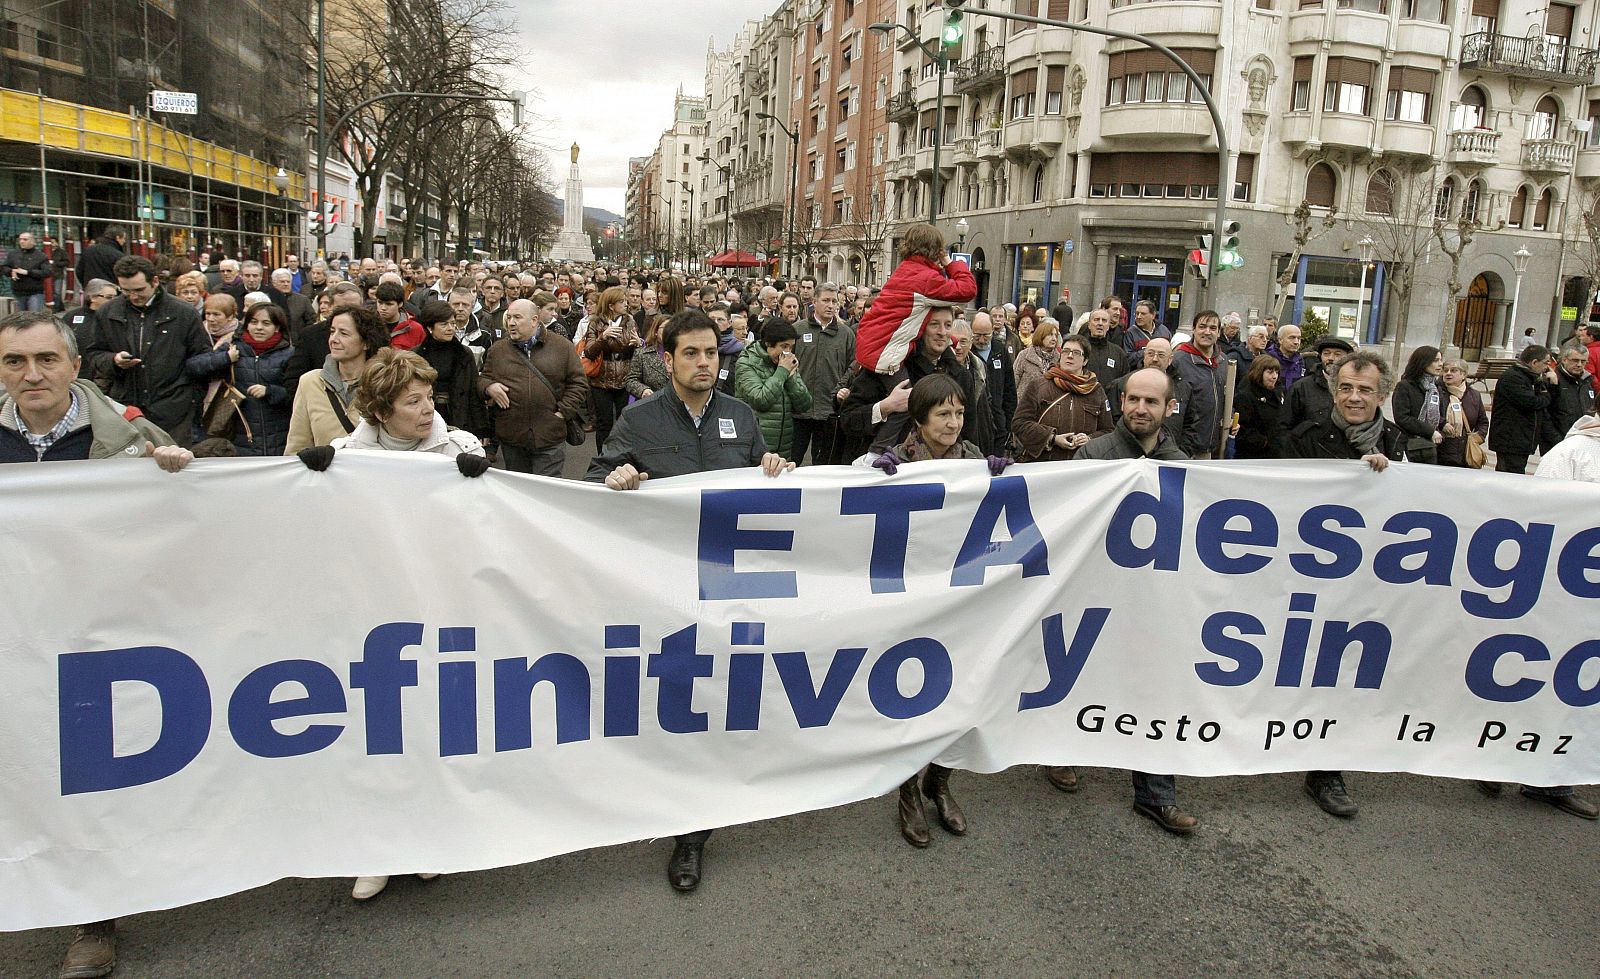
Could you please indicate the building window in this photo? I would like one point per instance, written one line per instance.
(1380, 193)
(1546, 117)
(1174, 176)
(1024, 84)
(1519, 208)
(1149, 76)
(1541, 213)
(1472, 112)
(1322, 185)
(1410, 96)
(1472, 203)
(1348, 87)
(1054, 78)
(1428, 10)
(1300, 91)
(1444, 201)
(1038, 184)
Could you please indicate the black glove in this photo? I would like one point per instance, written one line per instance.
(472, 466)
(317, 458)
(888, 462)
(997, 464)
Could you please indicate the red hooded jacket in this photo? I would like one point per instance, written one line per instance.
(916, 288)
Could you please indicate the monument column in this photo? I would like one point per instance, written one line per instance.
(572, 244)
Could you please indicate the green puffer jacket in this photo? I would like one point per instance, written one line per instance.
(775, 394)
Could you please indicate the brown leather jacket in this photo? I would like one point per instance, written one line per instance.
(1045, 411)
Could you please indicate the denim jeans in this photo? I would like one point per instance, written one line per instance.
(1155, 790)
(32, 302)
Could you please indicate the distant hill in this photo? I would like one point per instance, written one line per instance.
(599, 214)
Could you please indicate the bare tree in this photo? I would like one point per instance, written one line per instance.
(1465, 227)
(1306, 230)
(868, 235)
(1400, 206)
(1586, 250)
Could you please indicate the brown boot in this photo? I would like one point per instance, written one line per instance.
(1063, 777)
(913, 821)
(936, 786)
(92, 953)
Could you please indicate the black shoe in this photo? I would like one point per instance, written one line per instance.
(1582, 808)
(1170, 818)
(1490, 789)
(683, 870)
(1330, 794)
(1063, 777)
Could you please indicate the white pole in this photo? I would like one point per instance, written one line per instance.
(1361, 298)
(1511, 316)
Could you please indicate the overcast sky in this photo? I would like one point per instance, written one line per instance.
(606, 71)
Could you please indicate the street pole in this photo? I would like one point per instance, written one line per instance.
(727, 174)
(1224, 184)
(322, 131)
(938, 133)
(794, 187)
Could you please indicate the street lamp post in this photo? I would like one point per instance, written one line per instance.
(1520, 264)
(1366, 244)
(658, 196)
(689, 258)
(794, 185)
(727, 175)
(941, 63)
(962, 227)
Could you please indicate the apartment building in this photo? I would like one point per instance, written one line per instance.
(1085, 166)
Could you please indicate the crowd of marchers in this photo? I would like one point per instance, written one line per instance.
(512, 363)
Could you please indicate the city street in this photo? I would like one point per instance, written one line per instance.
(1431, 879)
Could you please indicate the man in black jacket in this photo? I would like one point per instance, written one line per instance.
(1107, 360)
(143, 340)
(1146, 402)
(27, 268)
(99, 260)
(1354, 429)
(1002, 377)
(876, 409)
(1521, 412)
(1571, 398)
(689, 427)
(1312, 397)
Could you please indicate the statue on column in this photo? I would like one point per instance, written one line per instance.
(574, 154)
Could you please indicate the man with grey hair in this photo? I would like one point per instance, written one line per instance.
(252, 275)
(48, 414)
(826, 349)
(1354, 429)
(295, 306)
(229, 280)
(96, 293)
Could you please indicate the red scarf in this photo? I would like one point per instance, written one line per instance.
(261, 346)
(1072, 383)
(1209, 361)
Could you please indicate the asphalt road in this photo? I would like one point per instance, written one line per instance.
(1432, 879)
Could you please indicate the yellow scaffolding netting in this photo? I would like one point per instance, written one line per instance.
(31, 119)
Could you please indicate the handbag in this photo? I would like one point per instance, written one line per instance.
(575, 433)
(1473, 455)
(223, 415)
(592, 366)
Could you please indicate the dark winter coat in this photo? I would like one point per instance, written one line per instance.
(1571, 399)
(1174, 423)
(1045, 411)
(1521, 412)
(1409, 399)
(267, 418)
(1453, 451)
(1308, 400)
(647, 372)
(1260, 422)
(776, 395)
(34, 263)
(1321, 439)
(532, 422)
(310, 353)
(1207, 380)
(1119, 443)
(869, 387)
(98, 261)
(657, 437)
(1107, 361)
(163, 335)
(455, 393)
(1002, 389)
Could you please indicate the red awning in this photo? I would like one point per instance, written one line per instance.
(734, 260)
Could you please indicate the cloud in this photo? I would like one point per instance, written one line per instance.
(605, 73)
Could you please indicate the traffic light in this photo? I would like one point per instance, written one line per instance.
(1231, 258)
(954, 29)
(1200, 257)
(314, 224)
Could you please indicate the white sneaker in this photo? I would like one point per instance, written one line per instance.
(369, 887)
(426, 876)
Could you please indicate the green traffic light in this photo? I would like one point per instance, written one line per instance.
(954, 30)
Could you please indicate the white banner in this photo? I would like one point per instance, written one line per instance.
(248, 671)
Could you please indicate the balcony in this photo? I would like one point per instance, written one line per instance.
(1350, 27)
(1411, 139)
(1350, 132)
(981, 72)
(1474, 148)
(1529, 57)
(992, 145)
(1033, 138)
(1588, 164)
(1164, 121)
(1202, 21)
(965, 152)
(902, 106)
(1552, 157)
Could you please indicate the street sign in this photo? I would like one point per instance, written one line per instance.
(1067, 246)
(965, 257)
(185, 103)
